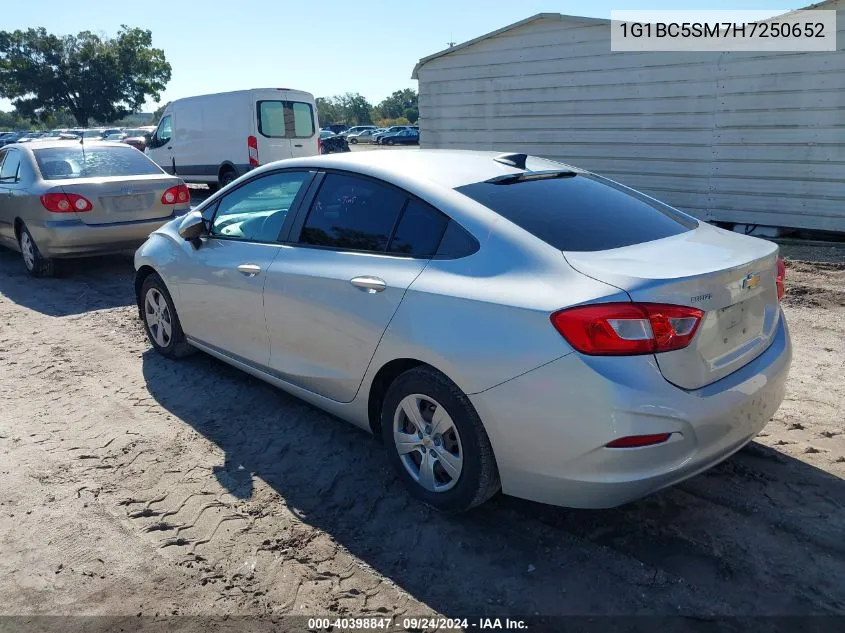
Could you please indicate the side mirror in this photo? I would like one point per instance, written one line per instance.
(192, 227)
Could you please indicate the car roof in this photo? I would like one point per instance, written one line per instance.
(446, 168)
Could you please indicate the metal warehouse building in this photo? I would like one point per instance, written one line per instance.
(752, 138)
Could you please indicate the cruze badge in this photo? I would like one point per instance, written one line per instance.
(751, 281)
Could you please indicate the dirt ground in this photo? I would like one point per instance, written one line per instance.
(137, 485)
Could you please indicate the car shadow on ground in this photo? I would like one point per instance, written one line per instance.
(79, 285)
(755, 535)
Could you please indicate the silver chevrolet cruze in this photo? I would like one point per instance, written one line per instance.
(502, 321)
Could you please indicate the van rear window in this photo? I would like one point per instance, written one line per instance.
(581, 212)
(285, 119)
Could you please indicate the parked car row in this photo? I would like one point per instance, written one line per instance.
(137, 137)
(653, 349)
(394, 135)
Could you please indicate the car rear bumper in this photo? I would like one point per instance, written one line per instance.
(72, 237)
(549, 428)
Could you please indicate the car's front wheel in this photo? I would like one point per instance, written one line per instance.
(160, 319)
(436, 442)
(35, 264)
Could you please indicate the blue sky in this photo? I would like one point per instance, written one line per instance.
(326, 48)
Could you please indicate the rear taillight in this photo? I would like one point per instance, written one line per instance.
(252, 145)
(65, 203)
(622, 329)
(176, 195)
(780, 278)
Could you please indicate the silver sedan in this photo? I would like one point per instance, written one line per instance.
(61, 199)
(501, 321)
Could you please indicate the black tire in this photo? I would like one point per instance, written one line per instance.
(353, 141)
(389, 141)
(176, 345)
(479, 477)
(35, 264)
(227, 176)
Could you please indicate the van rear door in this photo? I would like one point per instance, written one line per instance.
(286, 125)
(271, 141)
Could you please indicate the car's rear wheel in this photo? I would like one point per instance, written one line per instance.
(35, 264)
(160, 319)
(227, 176)
(353, 141)
(436, 442)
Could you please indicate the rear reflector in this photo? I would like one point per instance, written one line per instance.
(780, 278)
(624, 329)
(252, 146)
(176, 195)
(65, 203)
(636, 441)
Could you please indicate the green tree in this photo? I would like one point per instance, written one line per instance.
(91, 77)
(158, 112)
(356, 109)
(402, 103)
(350, 108)
(328, 111)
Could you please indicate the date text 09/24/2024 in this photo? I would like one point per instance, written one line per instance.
(410, 623)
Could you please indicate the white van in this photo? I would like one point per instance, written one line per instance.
(216, 138)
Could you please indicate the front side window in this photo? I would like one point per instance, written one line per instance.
(352, 213)
(257, 210)
(164, 132)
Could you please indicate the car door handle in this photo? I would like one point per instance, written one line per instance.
(298, 145)
(369, 285)
(250, 270)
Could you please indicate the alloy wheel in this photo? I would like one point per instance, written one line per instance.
(157, 317)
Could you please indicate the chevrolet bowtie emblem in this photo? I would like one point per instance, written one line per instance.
(751, 280)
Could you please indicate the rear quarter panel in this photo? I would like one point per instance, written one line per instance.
(484, 319)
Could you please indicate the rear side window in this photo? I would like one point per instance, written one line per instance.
(352, 213)
(580, 213)
(77, 161)
(285, 119)
(11, 167)
(419, 232)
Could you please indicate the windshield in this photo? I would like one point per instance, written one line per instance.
(76, 161)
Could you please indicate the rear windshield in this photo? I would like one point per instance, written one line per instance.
(76, 161)
(580, 213)
(285, 119)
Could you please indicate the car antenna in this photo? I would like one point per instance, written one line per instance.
(512, 160)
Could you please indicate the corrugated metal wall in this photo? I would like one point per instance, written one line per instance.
(744, 137)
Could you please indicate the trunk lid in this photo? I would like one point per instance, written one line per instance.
(730, 277)
(117, 199)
